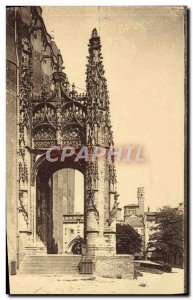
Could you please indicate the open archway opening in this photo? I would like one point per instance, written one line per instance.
(68, 205)
(60, 195)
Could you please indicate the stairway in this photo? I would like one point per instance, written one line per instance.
(50, 264)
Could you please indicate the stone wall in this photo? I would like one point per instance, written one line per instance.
(117, 266)
(11, 146)
(31, 57)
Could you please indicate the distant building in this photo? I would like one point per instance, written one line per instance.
(73, 233)
(135, 209)
(134, 216)
(141, 221)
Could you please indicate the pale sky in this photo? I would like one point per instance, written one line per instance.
(143, 50)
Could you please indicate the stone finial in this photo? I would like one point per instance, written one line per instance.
(94, 33)
(73, 87)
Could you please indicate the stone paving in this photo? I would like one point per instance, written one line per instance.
(166, 283)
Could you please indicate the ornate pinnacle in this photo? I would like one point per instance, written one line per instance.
(94, 42)
(97, 94)
(95, 69)
(94, 33)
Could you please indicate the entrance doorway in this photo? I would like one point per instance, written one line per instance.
(68, 210)
(60, 207)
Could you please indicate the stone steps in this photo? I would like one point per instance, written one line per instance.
(49, 264)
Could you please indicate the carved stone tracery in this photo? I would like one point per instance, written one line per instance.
(24, 123)
(23, 206)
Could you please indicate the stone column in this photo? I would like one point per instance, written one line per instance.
(91, 223)
(33, 213)
(58, 186)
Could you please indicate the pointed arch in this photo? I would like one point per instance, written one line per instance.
(75, 245)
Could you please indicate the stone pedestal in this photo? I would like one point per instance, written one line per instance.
(92, 233)
(114, 266)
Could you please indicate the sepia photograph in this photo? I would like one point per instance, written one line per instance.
(96, 150)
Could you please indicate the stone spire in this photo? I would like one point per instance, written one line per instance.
(97, 94)
(98, 129)
(96, 82)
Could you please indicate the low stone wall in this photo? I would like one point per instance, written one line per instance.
(115, 266)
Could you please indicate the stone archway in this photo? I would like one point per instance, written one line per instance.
(46, 225)
(76, 245)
